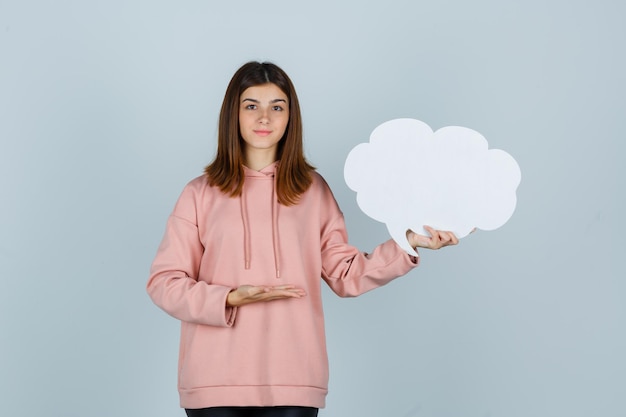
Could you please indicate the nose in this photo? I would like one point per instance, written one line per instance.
(264, 117)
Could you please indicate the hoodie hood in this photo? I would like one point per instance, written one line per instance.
(266, 174)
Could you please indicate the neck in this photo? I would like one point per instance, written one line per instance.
(259, 159)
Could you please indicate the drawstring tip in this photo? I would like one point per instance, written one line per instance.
(277, 273)
(247, 264)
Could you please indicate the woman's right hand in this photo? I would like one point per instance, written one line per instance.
(247, 294)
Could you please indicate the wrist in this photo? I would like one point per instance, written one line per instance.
(230, 299)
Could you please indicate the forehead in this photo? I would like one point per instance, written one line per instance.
(264, 92)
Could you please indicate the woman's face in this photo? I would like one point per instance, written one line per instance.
(263, 118)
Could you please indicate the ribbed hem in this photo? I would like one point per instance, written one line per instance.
(253, 396)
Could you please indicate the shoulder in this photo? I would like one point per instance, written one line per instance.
(194, 188)
(318, 182)
(199, 187)
(194, 193)
(322, 193)
(197, 184)
(319, 187)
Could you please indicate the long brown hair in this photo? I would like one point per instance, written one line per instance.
(293, 176)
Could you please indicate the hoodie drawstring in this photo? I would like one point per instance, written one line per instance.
(275, 236)
(247, 250)
(246, 229)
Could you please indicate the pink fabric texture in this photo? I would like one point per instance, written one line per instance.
(261, 354)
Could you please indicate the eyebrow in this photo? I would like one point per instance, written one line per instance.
(276, 100)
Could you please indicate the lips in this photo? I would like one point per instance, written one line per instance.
(262, 132)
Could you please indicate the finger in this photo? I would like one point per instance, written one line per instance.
(280, 294)
(429, 229)
(291, 289)
(284, 287)
(446, 237)
(435, 237)
(420, 241)
(450, 238)
(294, 291)
(455, 240)
(287, 287)
(442, 238)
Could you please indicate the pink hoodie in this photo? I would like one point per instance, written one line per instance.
(261, 354)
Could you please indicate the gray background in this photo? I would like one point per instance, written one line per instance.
(109, 107)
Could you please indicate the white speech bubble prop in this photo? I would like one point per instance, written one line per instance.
(408, 176)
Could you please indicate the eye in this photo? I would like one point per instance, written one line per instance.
(277, 108)
(251, 107)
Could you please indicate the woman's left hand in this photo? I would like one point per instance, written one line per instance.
(437, 239)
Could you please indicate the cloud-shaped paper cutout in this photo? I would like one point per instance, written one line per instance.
(408, 176)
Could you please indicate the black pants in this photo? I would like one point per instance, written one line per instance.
(252, 412)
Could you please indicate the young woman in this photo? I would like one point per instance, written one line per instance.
(242, 257)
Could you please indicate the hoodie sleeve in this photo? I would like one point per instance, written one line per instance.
(350, 272)
(173, 284)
